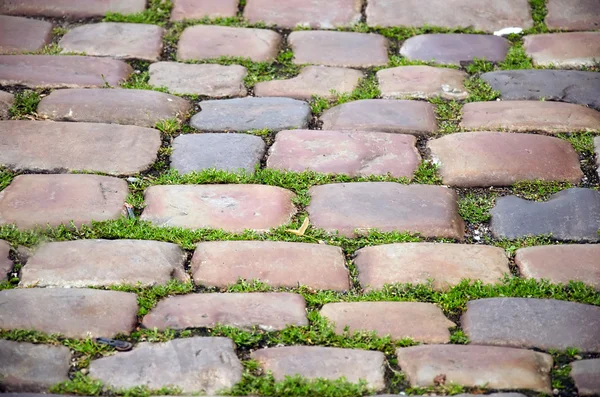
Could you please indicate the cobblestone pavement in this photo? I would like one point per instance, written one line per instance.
(331, 198)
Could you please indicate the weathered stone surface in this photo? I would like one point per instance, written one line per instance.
(207, 42)
(313, 362)
(245, 114)
(345, 49)
(573, 14)
(455, 49)
(6, 101)
(278, 264)
(233, 208)
(417, 263)
(100, 263)
(382, 115)
(322, 81)
(552, 85)
(193, 365)
(572, 214)
(26, 367)
(572, 49)
(38, 200)
(525, 116)
(216, 81)
(586, 374)
(316, 14)
(476, 366)
(135, 107)
(230, 152)
(597, 146)
(492, 16)
(345, 152)
(48, 146)
(422, 322)
(50, 71)
(266, 311)
(6, 263)
(561, 263)
(70, 8)
(422, 82)
(198, 9)
(533, 323)
(355, 208)
(115, 39)
(23, 34)
(472, 159)
(72, 312)
(492, 395)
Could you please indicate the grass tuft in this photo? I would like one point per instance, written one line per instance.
(25, 105)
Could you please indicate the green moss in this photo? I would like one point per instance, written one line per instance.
(480, 91)
(516, 58)
(583, 142)
(25, 104)
(475, 208)
(539, 190)
(148, 297)
(538, 14)
(448, 115)
(480, 66)
(157, 12)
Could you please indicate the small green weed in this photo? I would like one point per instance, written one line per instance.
(480, 91)
(157, 12)
(6, 177)
(427, 174)
(169, 127)
(25, 105)
(583, 142)
(511, 246)
(448, 115)
(458, 337)
(539, 190)
(80, 385)
(367, 88)
(538, 14)
(475, 208)
(516, 58)
(480, 66)
(148, 297)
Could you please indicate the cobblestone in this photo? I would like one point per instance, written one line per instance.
(573, 49)
(422, 322)
(533, 323)
(48, 146)
(71, 312)
(445, 265)
(313, 362)
(278, 264)
(6, 102)
(198, 9)
(345, 49)
(102, 263)
(233, 208)
(473, 159)
(38, 200)
(573, 14)
(23, 34)
(586, 374)
(266, 311)
(70, 8)
(144, 108)
(423, 82)
(348, 153)
(356, 208)
(6, 263)
(597, 146)
(316, 14)
(382, 115)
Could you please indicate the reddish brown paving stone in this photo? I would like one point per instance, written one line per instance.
(417, 263)
(477, 366)
(198, 9)
(586, 374)
(23, 34)
(70, 8)
(382, 115)
(574, 49)
(533, 323)
(345, 49)
(422, 322)
(331, 363)
(101, 263)
(525, 116)
(119, 106)
(6, 101)
(352, 208)
(344, 152)
(208, 42)
(266, 311)
(26, 367)
(455, 48)
(71, 312)
(276, 263)
(561, 263)
(37, 200)
(6, 263)
(573, 14)
(51, 71)
(117, 40)
(312, 80)
(233, 208)
(474, 159)
(465, 13)
(316, 14)
(422, 82)
(49, 146)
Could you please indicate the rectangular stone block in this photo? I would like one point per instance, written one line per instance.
(316, 14)
(70, 8)
(574, 49)
(23, 34)
(198, 9)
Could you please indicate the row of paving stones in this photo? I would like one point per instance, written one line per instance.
(347, 208)
(327, 14)
(104, 263)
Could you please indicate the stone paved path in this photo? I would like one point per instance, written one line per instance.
(382, 197)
